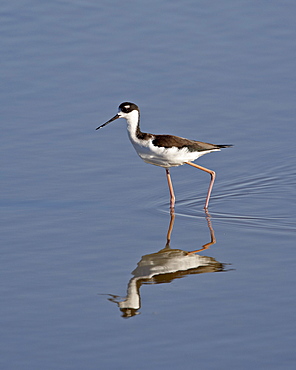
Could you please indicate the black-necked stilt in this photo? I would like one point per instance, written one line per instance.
(164, 150)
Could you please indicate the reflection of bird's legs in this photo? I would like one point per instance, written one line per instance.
(213, 239)
(172, 220)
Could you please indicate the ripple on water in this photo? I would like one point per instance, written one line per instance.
(263, 200)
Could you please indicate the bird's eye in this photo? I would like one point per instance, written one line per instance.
(126, 108)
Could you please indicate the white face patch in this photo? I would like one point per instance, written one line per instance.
(127, 106)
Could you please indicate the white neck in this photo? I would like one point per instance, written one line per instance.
(132, 299)
(132, 120)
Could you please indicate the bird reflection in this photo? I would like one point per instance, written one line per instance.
(163, 267)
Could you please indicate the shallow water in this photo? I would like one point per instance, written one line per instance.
(84, 219)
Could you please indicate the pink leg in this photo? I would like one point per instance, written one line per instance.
(172, 195)
(213, 175)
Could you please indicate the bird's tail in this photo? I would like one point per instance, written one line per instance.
(224, 146)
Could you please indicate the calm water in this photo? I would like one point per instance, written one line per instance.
(88, 279)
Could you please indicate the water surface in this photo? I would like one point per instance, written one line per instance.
(84, 219)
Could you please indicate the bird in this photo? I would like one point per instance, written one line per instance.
(165, 150)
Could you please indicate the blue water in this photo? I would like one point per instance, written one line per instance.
(83, 218)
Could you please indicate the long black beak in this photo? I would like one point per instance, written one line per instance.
(110, 120)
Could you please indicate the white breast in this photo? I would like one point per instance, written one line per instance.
(159, 156)
(165, 157)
